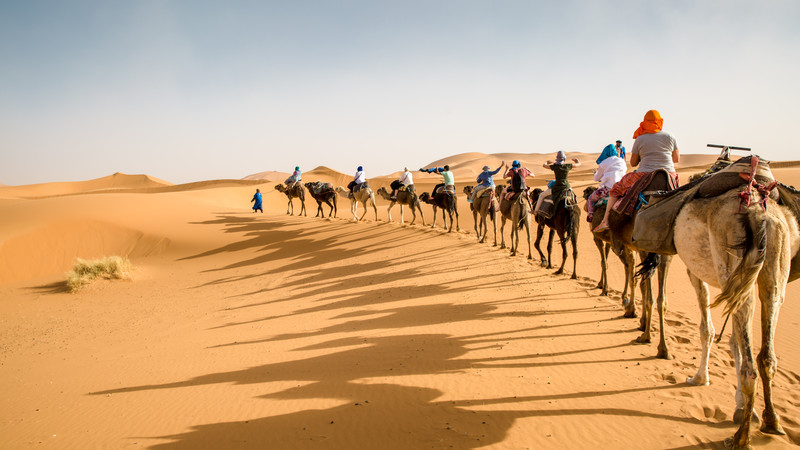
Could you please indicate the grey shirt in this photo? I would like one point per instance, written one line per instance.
(655, 151)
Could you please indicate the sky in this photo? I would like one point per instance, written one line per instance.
(191, 90)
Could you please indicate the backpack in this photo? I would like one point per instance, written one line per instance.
(517, 181)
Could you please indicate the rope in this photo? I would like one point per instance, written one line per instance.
(746, 196)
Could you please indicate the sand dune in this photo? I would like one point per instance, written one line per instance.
(269, 175)
(243, 330)
(115, 181)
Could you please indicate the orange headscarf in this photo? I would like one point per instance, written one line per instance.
(652, 123)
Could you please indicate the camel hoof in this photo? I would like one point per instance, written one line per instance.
(530, 257)
(731, 443)
(573, 277)
(643, 339)
(558, 272)
(600, 286)
(663, 354)
(695, 381)
(630, 315)
(772, 425)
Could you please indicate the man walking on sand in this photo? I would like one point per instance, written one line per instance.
(257, 205)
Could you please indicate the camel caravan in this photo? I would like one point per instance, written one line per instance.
(734, 227)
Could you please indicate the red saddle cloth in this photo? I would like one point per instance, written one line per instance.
(627, 204)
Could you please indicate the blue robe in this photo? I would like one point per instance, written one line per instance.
(257, 200)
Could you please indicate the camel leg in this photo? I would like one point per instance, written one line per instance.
(502, 232)
(290, 206)
(647, 312)
(433, 224)
(475, 221)
(514, 233)
(629, 262)
(455, 210)
(772, 287)
(389, 212)
(402, 215)
(494, 226)
(574, 241)
(422, 217)
(742, 346)
(375, 207)
(539, 234)
(603, 248)
(527, 221)
(706, 330)
(663, 272)
(550, 235)
(563, 254)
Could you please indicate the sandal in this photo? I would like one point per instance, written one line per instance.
(602, 227)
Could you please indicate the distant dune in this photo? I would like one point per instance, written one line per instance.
(270, 175)
(115, 181)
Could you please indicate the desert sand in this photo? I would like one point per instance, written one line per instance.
(248, 330)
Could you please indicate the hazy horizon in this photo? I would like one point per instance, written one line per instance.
(195, 90)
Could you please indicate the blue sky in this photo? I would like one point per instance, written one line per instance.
(194, 90)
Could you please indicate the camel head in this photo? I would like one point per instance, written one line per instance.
(425, 197)
(468, 190)
(382, 192)
(280, 187)
(535, 194)
(589, 191)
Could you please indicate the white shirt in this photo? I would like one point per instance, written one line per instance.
(406, 179)
(611, 170)
(360, 178)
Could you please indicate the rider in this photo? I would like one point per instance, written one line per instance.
(610, 170)
(358, 179)
(523, 172)
(654, 149)
(485, 181)
(405, 180)
(449, 181)
(561, 184)
(293, 178)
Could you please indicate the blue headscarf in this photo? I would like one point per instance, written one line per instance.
(607, 152)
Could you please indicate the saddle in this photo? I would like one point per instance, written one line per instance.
(319, 187)
(445, 189)
(653, 227)
(516, 197)
(361, 186)
(548, 207)
(656, 181)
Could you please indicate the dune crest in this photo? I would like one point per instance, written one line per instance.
(111, 182)
(54, 248)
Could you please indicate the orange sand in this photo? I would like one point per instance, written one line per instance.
(242, 330)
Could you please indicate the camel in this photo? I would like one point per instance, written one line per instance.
(404, 197)
(363, 195)
(754, 251)
(296, 191)
(604, 244)
(516, 211)
(485, 204)
(449, 204)
(566, 222)
(621, 232)
(323, 194)
(705, 234)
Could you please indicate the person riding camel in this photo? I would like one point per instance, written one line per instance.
(294, 179)
(557, 187)
(406, 179)
(611, 168)
(358, 180)
(519, 173)
(449, 180)
(485, 180)
(654, 149)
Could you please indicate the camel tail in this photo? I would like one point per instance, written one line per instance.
(648, 266)
(569, 224)
(740, 283)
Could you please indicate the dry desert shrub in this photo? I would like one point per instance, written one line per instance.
(83, 272)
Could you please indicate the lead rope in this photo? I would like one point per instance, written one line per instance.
(723, 328)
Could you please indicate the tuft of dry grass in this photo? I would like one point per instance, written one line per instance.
(83, 272)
